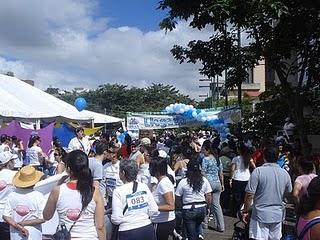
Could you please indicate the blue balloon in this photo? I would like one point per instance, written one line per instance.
(80, 104)
(121, 137)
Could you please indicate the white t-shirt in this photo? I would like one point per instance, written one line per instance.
(144, 174)
(19, 161)
(241, 173)
(23, 205)
(111, 173)
(152, 181)
(141, 206)
(135, 155)
(164, 186)
(69, 206)
(33, 155)
(77, 144)
(6, 187)
(189, 196)
(4, 147)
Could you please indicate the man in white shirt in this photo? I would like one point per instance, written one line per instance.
(80, 142)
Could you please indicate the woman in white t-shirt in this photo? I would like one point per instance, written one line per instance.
(34, 154)
(6, 187)
(133, 205)
(240, 175)
(194, 192)
(24, 206)
(78, 203)
(164, 196)
(111, 172)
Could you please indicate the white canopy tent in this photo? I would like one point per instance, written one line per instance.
(21, 101)
(100, 118)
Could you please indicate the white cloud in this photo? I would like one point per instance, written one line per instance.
(62, 43)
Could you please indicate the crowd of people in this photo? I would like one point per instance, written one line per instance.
(166, 186)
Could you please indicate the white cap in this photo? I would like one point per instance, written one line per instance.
(145, 141)
(6, 157)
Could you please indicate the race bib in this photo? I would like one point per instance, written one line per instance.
(137, 200)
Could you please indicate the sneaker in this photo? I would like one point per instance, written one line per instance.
(201, 237)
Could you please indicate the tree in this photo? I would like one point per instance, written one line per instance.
(118, 99)
(285, 33)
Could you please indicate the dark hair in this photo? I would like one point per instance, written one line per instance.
(100, 147)
(3, 138)
(245, 153)
(309, 200)
(130, 169)
(32, 140)
(79, 129)
(270, 154)
(14, 138)
(207, 146)
(159, 167)
(306, 165)
(194, 175)
(78, 163)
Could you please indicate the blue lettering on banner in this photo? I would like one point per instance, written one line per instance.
(137, 200)
(150, 122)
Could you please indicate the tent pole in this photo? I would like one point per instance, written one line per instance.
(37, 124)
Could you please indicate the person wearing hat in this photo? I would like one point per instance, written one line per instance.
(194, 194)
(6, 187)
(80, 141)
(24, 206)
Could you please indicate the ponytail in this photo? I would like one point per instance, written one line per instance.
(85, 187)
(79, 169)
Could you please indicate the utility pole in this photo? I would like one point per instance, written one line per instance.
(225, 89)
(240, 80)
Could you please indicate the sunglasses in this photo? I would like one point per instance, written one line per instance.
(56, 154)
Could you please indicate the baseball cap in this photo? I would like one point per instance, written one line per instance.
(145, 141)
(6, 157)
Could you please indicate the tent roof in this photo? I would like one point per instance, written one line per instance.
(102, 118)
(20, 100)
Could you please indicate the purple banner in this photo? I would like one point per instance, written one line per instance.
(14, 129)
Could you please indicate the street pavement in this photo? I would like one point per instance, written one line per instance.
(226, 235)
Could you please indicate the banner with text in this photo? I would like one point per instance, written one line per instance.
(137, 122)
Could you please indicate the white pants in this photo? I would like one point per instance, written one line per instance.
(265, 231)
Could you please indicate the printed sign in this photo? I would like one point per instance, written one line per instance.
(137, 122)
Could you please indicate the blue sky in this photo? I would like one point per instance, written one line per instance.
(87, 43)
(133, 13)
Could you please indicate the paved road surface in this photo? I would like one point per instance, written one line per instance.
(226, 235)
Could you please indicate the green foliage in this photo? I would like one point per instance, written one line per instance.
(118, 99)
(276, 29)
(268, 115)
(285, 33)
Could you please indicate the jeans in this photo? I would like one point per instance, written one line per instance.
(216, 209)
(4, 231)
(192, 219)
(142, 233)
